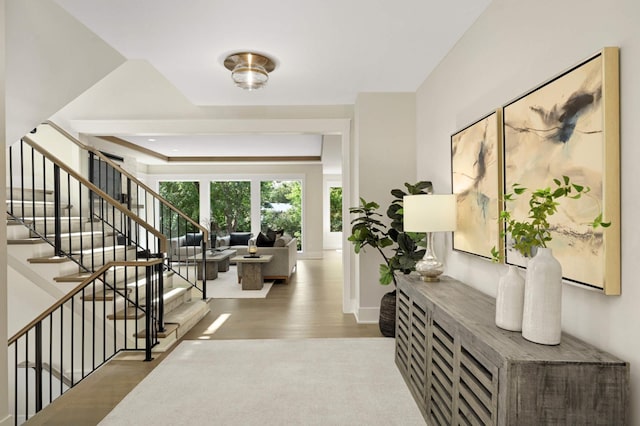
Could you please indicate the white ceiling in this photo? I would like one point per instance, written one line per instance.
(326, 51)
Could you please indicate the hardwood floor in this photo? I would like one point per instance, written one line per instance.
(310, 306)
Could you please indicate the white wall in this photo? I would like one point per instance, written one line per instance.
(385, 137)
(311, 175)
(51, 59)
(512, 47)
(5, 418)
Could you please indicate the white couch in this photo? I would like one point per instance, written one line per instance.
(283, 264)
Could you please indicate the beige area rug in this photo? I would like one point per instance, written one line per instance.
(226, 287)
(273, 382)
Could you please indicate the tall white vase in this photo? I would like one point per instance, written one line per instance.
(541, 319)
(510, 300)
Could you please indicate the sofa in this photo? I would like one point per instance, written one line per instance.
(283, 264)
(238, 241)
(180, 248)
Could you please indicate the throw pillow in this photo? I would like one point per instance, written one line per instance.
(282, 241)
(264, 241)
(275, 234)
(193, 239)
(239, 238)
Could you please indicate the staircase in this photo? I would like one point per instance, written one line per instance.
(106, 266)
(96, 248)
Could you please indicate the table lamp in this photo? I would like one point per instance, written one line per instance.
(252, 248)
(429, 213)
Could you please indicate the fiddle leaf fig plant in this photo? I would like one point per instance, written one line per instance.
(403, 248)
(534, 231)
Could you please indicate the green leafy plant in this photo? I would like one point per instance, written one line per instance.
(403, 249)
(535, 231)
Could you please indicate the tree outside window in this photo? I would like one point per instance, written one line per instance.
(184, 196)
(335, 209)
(281, 207)
(230, 207)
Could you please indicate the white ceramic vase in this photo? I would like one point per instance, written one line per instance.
(541, 319)
(510, 300)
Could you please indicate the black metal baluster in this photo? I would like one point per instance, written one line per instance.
(38, 367)
(15, 384)
(33, 189)
(50, 354)
(56, 224)
(26, 375)
(147, 318)
(82, 344)
(44, 188)
(11, 179)
(61, 348)
(72, 349)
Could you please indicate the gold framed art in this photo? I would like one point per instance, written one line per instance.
(475, 176)
(570, 125)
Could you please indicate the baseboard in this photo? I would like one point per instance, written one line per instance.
(367, 315)
(7, 421)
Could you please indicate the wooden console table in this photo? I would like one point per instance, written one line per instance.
(462, 369)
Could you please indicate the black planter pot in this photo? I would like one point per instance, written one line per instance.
(387, 321)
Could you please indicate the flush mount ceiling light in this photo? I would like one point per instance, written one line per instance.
(249, 70)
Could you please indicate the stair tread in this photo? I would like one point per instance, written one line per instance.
(80, 234)
(128, 313)
(80, 276)
(105, 295)
(30, 240)
(168, 329)
(49, 259)
(137, 313)
(184, 311)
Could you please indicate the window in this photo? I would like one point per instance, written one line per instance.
(185, 196)
(335, 209)
(281, 207)
(230, 207)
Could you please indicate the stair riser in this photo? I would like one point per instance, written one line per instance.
(55, 269)
(97, 259)
(173, 304)
(76, 243)
(19, 231)
(121, 277)
(40, 210)
(28, 194)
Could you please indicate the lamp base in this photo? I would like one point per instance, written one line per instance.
(429, 267)
(429, 279)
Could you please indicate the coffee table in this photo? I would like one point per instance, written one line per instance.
(215, 261)
(252, 278)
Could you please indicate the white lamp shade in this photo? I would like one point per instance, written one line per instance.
(429, 213)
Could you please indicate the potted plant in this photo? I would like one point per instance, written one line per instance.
(541, 307)
(399, 250)
(529, 234)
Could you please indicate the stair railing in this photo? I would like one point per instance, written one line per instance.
(152, 208)
(69, 212)
(98, 319)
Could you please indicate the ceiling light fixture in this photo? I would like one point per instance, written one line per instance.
(249, 70)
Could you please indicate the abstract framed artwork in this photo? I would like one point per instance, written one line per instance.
(475, 176)
(570, 126)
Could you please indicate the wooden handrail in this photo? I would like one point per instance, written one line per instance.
(162, 238)
(84, 283)
(117, 166)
